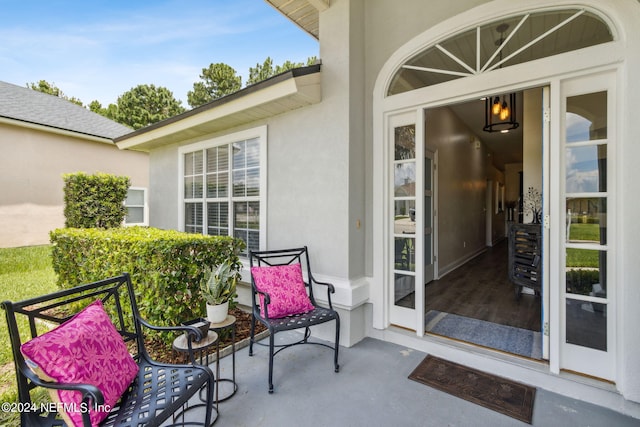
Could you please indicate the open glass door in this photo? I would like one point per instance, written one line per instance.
(588, 303)
(406, 295)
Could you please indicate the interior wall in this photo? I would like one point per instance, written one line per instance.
(532, 145)
(512, 182)
(496, 212)
(462, 181)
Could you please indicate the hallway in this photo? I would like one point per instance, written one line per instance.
(481, 289)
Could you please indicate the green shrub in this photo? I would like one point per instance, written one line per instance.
(581, 281)
(94, 201)
(166, 266)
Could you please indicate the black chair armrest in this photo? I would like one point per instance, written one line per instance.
(192, 331)
(330, 289)
(88, 391)
(267, 301)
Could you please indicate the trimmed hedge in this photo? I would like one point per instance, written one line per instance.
(94, 200)
(166, 266)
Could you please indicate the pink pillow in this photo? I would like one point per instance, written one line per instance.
(285, 287)
(85, 349)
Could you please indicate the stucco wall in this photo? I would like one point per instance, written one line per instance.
(31, 168)
(387, 26)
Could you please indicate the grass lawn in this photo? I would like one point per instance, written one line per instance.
(583, 257)
(584, 232)
(24, 273)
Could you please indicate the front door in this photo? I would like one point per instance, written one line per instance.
(587, 281)
(407, 291)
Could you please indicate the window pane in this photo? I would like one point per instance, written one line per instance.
(586, 117)
(239, 183)
(193, 187)
(193, 217)
(218, 219)
(405, 254)
(405, 142)
(437, 67)
(217, 184)
(405, 217)
(587, 272)
(587, 324)
(239, 155)
(134, 215)
(253, 182)
(193, 163)
(404, 179)
(586, 169)
(135, 198)
(587, 220)
(246, 217)
(253, 153)
(405, 291)
(218, 159)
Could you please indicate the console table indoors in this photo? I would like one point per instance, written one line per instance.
(525, 256)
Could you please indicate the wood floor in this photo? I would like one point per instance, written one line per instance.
(481, 289)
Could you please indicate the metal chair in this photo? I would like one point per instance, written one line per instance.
(159, 392)
(295, 321)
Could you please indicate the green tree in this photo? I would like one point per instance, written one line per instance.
(144, 105)
(110, 112)
(217, 81)
(265, 70)
(50, 88)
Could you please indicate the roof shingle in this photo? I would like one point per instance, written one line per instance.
(31, 106)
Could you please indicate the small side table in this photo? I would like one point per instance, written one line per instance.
(181, 344)
(229, 324)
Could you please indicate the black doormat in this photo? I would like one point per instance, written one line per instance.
(500, 394)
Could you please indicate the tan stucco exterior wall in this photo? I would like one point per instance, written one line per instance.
(31, 188)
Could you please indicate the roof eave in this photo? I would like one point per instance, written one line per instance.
(286, 92)
(304, 13)
(55, 130)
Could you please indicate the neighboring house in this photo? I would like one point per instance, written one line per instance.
(333, 156)
(43, 137)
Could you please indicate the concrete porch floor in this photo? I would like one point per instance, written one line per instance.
(371, 389)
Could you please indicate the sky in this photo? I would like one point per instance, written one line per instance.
(99, 49)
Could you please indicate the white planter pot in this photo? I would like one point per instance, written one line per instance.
(217, 313)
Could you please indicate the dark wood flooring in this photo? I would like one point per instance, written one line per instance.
(481, 289)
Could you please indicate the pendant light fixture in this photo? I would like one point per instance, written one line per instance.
(500, 111)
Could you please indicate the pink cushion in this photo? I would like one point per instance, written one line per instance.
(85, 349)
(285, 287)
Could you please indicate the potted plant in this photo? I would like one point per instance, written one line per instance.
(218, 289)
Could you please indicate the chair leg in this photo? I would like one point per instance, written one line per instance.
(335, 360)
(210, 399)
(271, 345)
(251, 335)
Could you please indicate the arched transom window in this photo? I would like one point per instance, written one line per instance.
(500, 44)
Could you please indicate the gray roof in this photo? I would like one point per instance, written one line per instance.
(31, 106)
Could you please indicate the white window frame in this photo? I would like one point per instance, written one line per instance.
(144, 206)
(259, 133)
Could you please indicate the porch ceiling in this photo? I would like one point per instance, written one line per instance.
(288, 91)
(304, 13)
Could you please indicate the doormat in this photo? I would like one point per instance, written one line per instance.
(509, 339)
(499, 394)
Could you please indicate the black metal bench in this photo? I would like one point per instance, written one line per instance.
(304, 320)
(159, 392)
